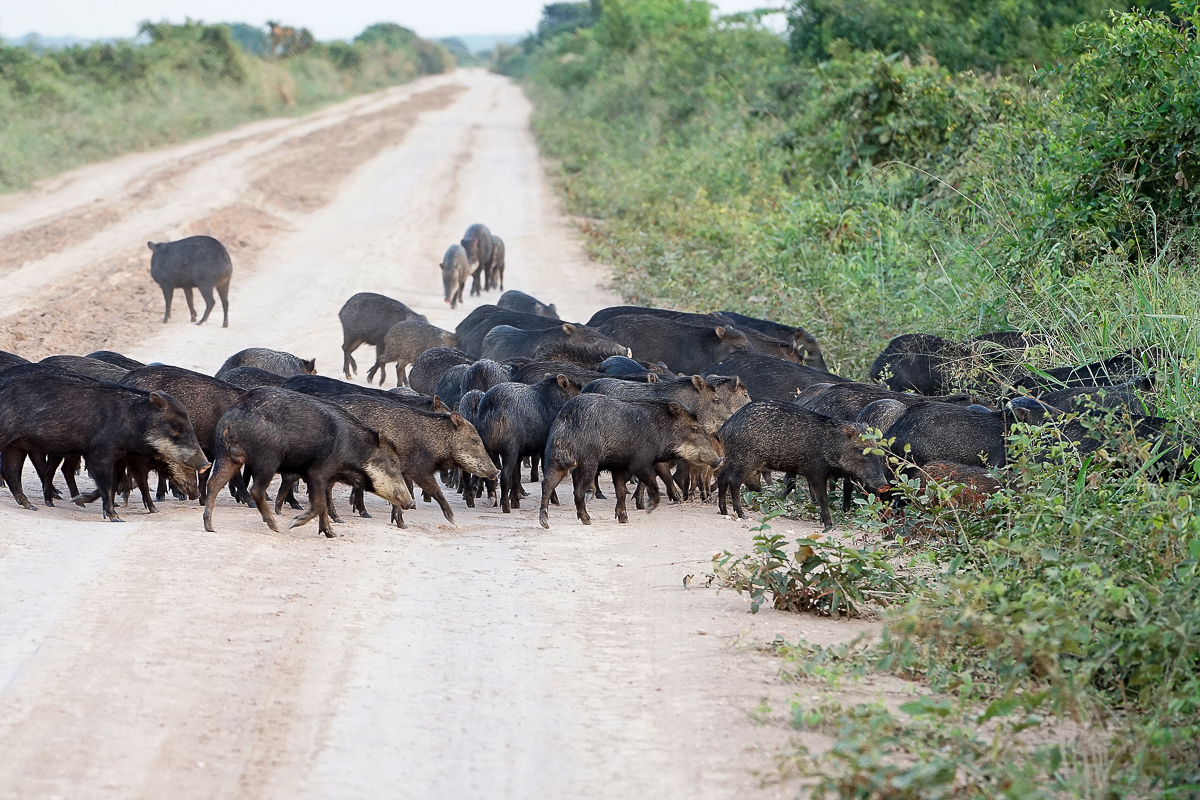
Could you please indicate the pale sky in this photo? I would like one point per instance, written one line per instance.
(341, 19)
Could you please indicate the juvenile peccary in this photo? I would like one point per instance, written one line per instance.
(773, 435)
(427, 442)
(48, 413)
(429, 367)
(1123, 395)
(627, 369)
(116, 359)
(204, 397)
(468, 406)
(942, 432)
(91, 367)
(495, 276)
(403, 343)
(567, 342)
(252, 378)
(366, 318)
(802, 341)
(276, 361)
(274, 431)
(625, 437)
(8, 360)
(197, 262)
(478, 243)
(847, 400)
(684, 348)
(770, 378)
(460, 379)
(514, 420)
(482, 319)
(455, 270)
(526, 304)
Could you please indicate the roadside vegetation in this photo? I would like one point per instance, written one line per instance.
(894, 166)
(66, 107)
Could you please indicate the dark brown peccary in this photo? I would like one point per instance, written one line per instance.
(624, 437)
(276, 361)
(427, 442)
(455, 270)
(684, 348)
(495, 276)
(1126, 395)
(429, 367)
(117, 359)
(774, 435)
(91, 367)
(366, 318)
(197, 262)
(403, 343)
(935, 431)
(513, 300)
(277, 431)
(514, 420)
(478, 243)
(470, 332)
(1117, 369)
(564, 341)
(103, 422)
(770, 378)
(802, 341)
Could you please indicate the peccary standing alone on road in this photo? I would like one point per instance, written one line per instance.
(455, 270)
(480, 246)
(197, 262)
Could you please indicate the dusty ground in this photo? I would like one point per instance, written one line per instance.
(492, 659)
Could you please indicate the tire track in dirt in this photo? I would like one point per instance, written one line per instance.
(114, 304)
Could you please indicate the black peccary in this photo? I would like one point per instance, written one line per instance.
(1111, 371)
(455, 270)
(403, 343)
(847, 400)
(684, 348)
(625, 437)
(469, 484)
(104, 423)
(576, 343)
(770, 378)
(197, 262)
(480, 247)
(711, 405)
(460, 379)
(495, 276)
(536, 371)
(881, 414)
(470, 332)
(774, 435)
(84, 365)
(274, 431)
(1127, 395)
(429, 367)
(117, 359)
(252, 377)
(943, 432)
(526, 304)
(9, 360)
(426, 441)
(802, 341)
(366, 318)
(514, 420)
(627, 369)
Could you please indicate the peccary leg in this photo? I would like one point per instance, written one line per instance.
(582, 480)
(552, 476)
(258, 493)
(45, 466)
(13, 461)
(209, 303)
(664, 471)
(510, 481)
(429, 484)
(223, 292)
(475, 280)
(220, 474)
(141, 478)
(357, 503)
(820, 492)
(102, 468)
(286, 483)
(620, 490)
(168, 292)
(348, 363)
(187, 292)
(69, 468)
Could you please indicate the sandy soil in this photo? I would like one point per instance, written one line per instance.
(493, 659)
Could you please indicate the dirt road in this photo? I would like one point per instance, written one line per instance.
(496, 659)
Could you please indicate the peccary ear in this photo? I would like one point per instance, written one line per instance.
(152, 245)
(159, 402)
(438, 405)
(457, 419)
(720, 331)
(651, 377)
(677, 410)
(568, 329)
(553, 310)
(564, 381)
(702, 385)
(309, 366)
